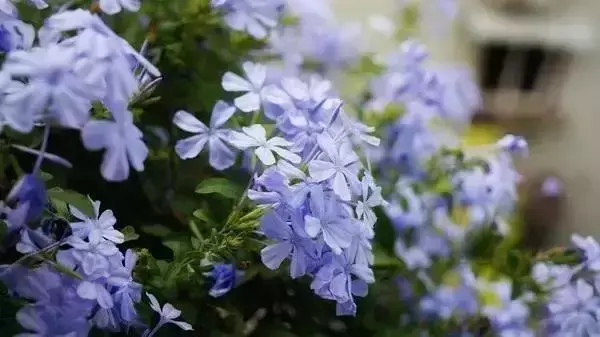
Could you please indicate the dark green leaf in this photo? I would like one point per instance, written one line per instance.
(179, 245)
(219, 186)
(202, 215)
(156, 230)
(61, 198)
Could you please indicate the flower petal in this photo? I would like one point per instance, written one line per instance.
(248, 102)
(265, 155)
(191, 147)
(188, 122)
(233, 82)
(273, 255)
(221, 114)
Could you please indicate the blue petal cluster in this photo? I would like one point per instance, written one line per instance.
(80, 279)
(435, 224)
(307, 172)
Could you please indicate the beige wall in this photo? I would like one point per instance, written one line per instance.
(570, 147)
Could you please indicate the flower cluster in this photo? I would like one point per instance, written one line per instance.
(444, 193)
(255, 17)
(58, 79)
(103, 292)
(73, 273)
(319, 194)
(572, 291)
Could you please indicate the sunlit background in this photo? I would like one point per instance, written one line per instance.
(541, 71)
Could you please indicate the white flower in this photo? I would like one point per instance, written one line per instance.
(255, 136)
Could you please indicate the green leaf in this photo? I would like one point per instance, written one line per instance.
(129, 233)
(156, 230)
(179, 245)
(195, 230)
(255, 214)
(202, 215)
(219, 186)
(61, 198)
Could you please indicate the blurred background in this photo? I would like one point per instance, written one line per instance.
(538, 62)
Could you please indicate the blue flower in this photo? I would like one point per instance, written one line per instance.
(574, 310)
(129, 292)
(225, 277)
(167, 313)
(252, 86)
(30, 192)
(221, 156)
(287, 243)
(52, 84)
(255, 136)
(253, 16)
(123, 145)
(104, 60)
(44, 321)
(336, 280)
(101, 227)
(93, 257)
(114, 6)
(328, 219)
(15, 34)
(338, 164)
(590, 249)
(8, 10)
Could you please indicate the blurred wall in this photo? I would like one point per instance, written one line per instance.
(569, 147)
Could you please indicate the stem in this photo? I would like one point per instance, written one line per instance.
(238, 206)
(40, 158)
(155, 330)
(41, 251)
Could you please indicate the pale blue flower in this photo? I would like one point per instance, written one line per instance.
(360, 250)
(104, 59)
(287, 243)
(123, 145)
(129, 292)
(337, 280)
(414, 257)
(114, 6)
(44, 321)
(8, 11)
(327, 219)
(97, 292)
(100, 227)
(167, 313)
(93, 257)
(338, 164)
(590, 249)
(16, 34)
(255, 17)
(31, 192)
(221, 156)
(574, 310)
(255, 136)
(251, 85)
(371, 198)
(513, 144)
(52, 85)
